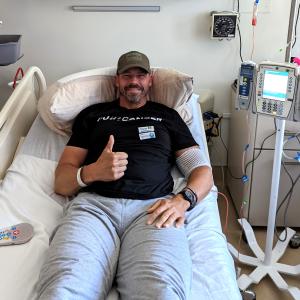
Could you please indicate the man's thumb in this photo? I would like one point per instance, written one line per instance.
(110, 143)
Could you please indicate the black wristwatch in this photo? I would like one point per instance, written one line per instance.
(190, 196)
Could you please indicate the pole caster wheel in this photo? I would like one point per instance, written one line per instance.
(295, 241)
(248, 295)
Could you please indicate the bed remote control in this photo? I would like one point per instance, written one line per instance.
(16, 234)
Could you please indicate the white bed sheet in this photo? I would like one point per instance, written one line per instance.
(26, 195)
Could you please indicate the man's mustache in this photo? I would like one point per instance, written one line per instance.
(133, 86)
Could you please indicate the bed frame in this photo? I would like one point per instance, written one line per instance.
(18, 114)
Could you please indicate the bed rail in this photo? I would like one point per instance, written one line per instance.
(18, 113)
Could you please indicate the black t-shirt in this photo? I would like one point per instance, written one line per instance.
(150, 135)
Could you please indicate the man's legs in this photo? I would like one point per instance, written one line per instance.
(154, 263)
(83, 254)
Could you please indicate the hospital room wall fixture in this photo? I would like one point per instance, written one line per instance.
(115, 8)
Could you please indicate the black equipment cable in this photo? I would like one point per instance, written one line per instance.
(287, 196)
(238, 27)
(260, 150)
(296, 27)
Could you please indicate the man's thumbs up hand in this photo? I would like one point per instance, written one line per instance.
(110, 143)
(110, 165)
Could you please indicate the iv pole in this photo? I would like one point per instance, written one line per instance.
(266, 262)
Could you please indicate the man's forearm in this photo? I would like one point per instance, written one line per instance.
(66, 180)
(201, 181)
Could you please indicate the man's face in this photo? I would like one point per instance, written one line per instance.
(134, 84)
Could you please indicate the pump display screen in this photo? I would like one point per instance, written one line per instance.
(275, 85)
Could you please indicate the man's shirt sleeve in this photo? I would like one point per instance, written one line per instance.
(80, 130)
(181, 136)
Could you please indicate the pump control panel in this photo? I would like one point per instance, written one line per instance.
(276, 89)
(245, 85)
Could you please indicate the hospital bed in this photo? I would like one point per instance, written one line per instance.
(26, 195)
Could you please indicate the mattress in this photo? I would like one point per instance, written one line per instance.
(26, 195)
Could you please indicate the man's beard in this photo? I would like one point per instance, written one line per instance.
(133, 98)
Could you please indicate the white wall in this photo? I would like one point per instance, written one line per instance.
(61, 41)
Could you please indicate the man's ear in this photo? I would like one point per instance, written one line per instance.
(151, 79)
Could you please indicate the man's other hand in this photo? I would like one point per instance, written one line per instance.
(166, 212)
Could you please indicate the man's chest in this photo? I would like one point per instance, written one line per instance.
(130, 131)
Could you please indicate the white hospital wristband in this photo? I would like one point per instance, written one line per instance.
(79, 180)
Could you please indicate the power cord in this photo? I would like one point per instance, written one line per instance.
(244, 176)
(238, 27)
(296, 27)
(259, 153)
(287, 198)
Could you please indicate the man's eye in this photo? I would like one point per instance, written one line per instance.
(140, 76)
(130, 76)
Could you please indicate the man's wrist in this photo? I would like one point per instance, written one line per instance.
(189, 196)
(86, 175)
(185, 203)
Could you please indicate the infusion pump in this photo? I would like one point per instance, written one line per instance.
(274, 90)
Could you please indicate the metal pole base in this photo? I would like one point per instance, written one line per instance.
(273, 269)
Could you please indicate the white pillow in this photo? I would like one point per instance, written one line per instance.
(63, 100)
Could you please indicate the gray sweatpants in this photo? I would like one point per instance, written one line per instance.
(100, 240)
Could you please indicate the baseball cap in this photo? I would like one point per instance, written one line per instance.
(133, 59)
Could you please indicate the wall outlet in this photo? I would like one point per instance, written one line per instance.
(208, 124)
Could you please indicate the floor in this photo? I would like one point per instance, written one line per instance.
(266, 289)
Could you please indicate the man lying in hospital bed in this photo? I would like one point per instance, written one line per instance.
(120, 154)
(213, 273)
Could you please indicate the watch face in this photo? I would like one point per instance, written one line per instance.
(189, 194)
(190, 197)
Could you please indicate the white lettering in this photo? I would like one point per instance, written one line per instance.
(126, 119)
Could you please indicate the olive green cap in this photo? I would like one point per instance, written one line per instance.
(133, 59)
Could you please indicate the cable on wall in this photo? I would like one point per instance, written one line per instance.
(238, 27)
(297, 18)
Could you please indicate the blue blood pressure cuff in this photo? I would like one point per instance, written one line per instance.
(191, 159)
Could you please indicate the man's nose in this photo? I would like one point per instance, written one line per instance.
(134, 79)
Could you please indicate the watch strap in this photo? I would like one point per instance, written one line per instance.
(193, 201)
